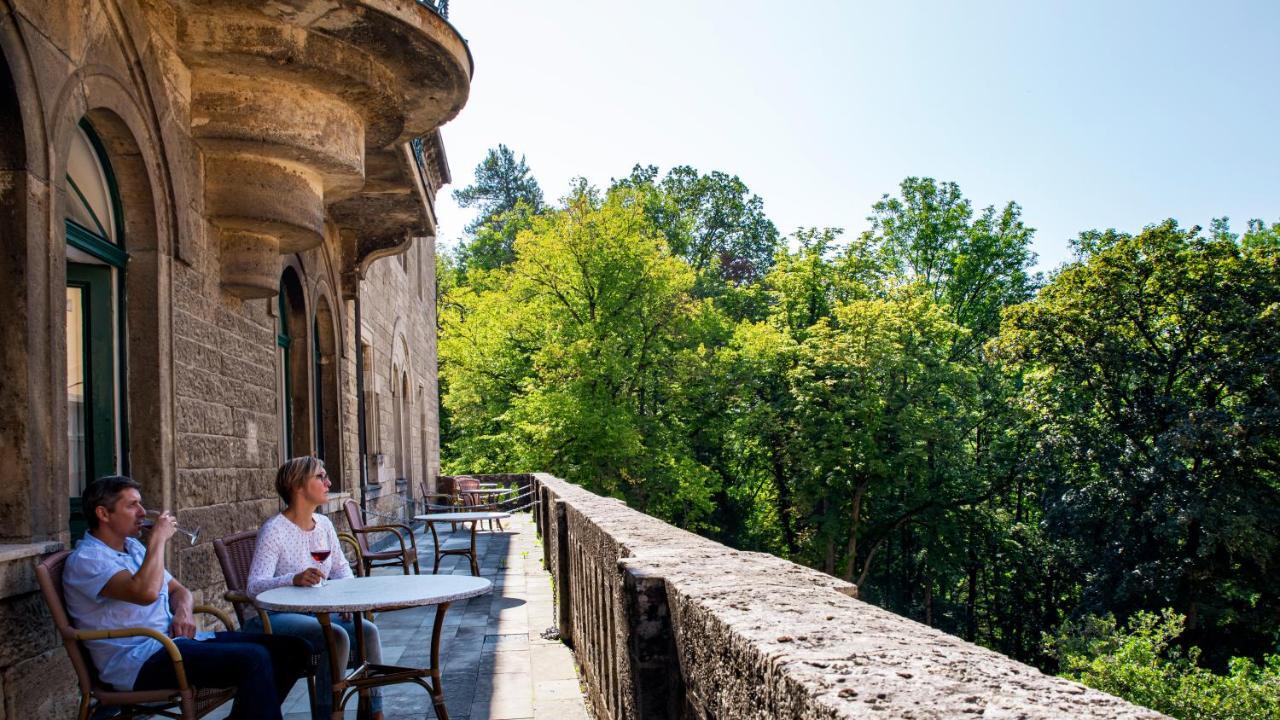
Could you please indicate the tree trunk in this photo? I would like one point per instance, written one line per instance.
(783, 490)
(851, 557)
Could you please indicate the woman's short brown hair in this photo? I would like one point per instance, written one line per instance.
(293, 474)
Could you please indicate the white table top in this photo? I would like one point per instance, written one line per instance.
(462, 516)
(486, 491)
(382, 592)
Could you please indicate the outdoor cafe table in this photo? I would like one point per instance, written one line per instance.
(366, 594)
(486, 491)
(474, 518)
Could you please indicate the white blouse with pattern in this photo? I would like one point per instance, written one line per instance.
(284, 550)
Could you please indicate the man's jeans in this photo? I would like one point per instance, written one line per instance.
(308, 628)
(262, 669)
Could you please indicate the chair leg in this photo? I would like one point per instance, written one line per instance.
(475, 567)
(436, 569)
(84, 707)
(189, 705)
(311, 690)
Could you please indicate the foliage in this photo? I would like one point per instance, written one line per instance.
(563, 358)
(506, 195)
(712, 221)
(974, 266)
(1142, 662)
(913, 409)
(1151, 374)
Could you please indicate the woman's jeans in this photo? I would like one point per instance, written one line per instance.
(308, 628)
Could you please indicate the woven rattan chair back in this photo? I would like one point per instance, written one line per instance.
(235, 556)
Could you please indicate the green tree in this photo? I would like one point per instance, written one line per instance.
(713, 221)
(573, 349)
(1143, 663)
(505, 194)
(976, 266)
(1151, 374)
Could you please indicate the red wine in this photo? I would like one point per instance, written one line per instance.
(319, 555)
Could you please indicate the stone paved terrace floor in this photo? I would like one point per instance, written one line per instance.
(496, 664)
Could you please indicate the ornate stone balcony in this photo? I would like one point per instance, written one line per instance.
(304, 110)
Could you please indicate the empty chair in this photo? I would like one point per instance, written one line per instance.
(469, 490)
(404, 555)
(453, 545)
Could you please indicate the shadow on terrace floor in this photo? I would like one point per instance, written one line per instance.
(496, 664)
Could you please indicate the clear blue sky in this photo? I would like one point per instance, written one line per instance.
(1088, 114)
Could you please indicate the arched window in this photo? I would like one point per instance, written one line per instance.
(96, 423)
(406, 425)
(325, 401)
(397, 421)
(422, 437)
(293, 364)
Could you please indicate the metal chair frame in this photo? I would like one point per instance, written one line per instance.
(406, 555)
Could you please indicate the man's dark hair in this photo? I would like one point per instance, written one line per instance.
(104, 492)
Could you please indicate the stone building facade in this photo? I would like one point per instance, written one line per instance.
(216, 251)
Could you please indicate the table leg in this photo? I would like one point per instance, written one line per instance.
(437, 694)
(475, 564)
(336, 668)
(364, 708)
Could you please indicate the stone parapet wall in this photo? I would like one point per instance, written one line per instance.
(755, 636)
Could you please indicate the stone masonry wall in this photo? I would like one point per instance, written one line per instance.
(398, 322)
(203, 427)
(755, 636)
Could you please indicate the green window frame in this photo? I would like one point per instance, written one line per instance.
(105, 413)
(283, 341)
(317, 397)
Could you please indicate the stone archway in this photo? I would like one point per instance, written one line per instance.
(328, 391)
(26, 458)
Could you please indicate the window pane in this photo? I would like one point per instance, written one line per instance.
(88, 192)
(76, 460)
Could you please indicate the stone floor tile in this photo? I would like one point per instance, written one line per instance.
(495, 664)
(557, 690)
(554, 662)
(560, 710)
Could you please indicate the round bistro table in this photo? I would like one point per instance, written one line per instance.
(472, 518)
(367, 594)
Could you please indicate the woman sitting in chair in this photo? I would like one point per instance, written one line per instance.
(284, 556)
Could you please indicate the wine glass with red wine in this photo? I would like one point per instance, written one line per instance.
(318, 546)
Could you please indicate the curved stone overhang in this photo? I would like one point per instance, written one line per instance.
(305, 108)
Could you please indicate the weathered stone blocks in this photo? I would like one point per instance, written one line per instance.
(26, 627)
(42, 687)
(747, 635)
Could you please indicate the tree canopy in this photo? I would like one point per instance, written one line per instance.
(1004, 456)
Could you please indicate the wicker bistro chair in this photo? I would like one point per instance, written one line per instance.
(235, 556)
(347, 540)
(453, 545)
(405, 555)
(184, 701)
(465, 486)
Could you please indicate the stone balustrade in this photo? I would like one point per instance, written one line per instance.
(667, 624)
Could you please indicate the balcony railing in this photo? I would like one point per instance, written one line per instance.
(667, 624)
(441, 7)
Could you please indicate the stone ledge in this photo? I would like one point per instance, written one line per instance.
(755, 636)
(17, 566)
(334, 503)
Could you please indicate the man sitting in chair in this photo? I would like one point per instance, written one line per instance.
(113, 581)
